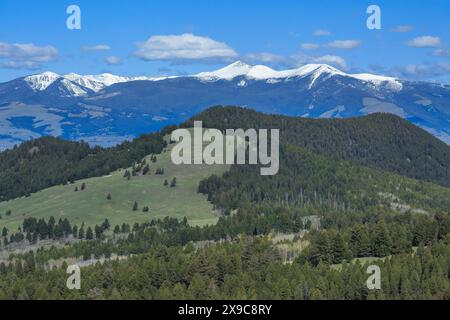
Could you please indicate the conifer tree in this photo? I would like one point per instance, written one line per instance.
(89, 234)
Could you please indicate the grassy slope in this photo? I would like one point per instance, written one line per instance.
(92, 207)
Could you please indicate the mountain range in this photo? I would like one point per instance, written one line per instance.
(107, 109)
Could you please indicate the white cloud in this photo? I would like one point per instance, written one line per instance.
(183, 47)
(113, 60)
(330, 59)
(403, 29)
(425, 42)
(26, 55)
(27, 51)
(95, 48)
(423, 71)
(442, 53)
(21, 65)
(309, 46)
(321, 33)
(344, 44)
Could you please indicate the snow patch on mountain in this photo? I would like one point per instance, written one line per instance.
(376, 80)
(372, 105)
(100, 81)
(315, 71)
(333, 113)
(71, 89)
(40, 82)
(41, 117)
(230, 72)
(96, 83)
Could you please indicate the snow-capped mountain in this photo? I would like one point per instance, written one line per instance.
(105, 109)
(101, 81)
(261, 72)
(41, 81)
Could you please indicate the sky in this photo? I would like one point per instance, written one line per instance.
(170, 37)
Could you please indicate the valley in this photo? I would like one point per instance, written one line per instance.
(342, 200)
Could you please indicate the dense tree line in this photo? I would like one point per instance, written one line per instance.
(383, 141)
(307, 179)
(49, 161)
(248, 269)
(342, 236)
(34, 230)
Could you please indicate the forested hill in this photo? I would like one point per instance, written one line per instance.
(48, 161)
(379, 140)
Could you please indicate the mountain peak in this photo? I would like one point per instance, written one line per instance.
(261, 72)
(229, 72)
(42, 81)
(238, 64)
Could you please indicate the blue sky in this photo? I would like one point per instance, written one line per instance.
(184, 37)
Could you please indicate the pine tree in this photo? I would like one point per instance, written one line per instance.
(382, 243)
(108, 197)
(324, 247)
(75, 230)
(106, 225)
(173, 183)
(338, 249)
(125, 228)
(81, 232)
(135, 206)
(360, 241)
(166, 183)
(89, 234)
(98, 231)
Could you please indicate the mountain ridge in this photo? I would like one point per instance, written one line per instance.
(257, 72)
(106, 109)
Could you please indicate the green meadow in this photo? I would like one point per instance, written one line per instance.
(91, 205)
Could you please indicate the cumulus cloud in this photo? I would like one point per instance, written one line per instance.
(423, 71)
(344, 44)
(184, 47)
(113, 60)
(321, 33)
(403, 29)
(425, 42)
(26, 55)
(95, 48)
(441, 53)
(309, 46)
(20, 65)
